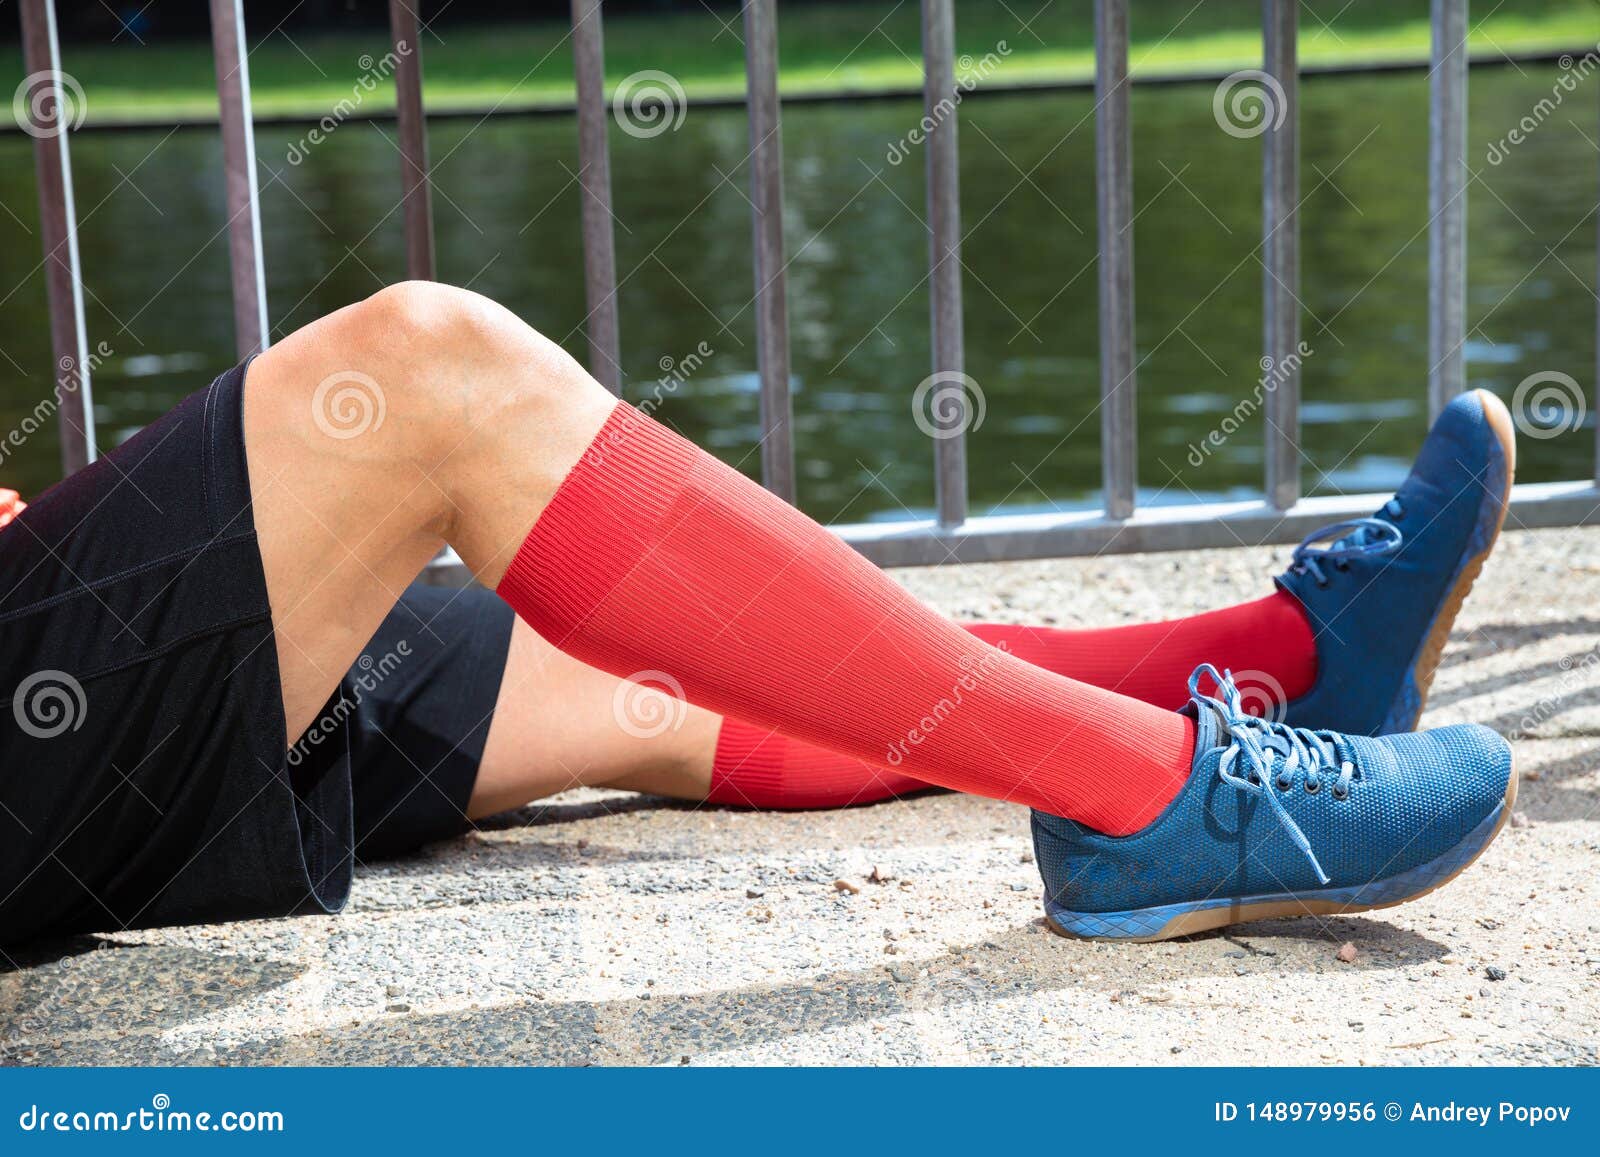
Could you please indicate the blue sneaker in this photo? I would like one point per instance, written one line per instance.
(1281, 821)
(1383, 592)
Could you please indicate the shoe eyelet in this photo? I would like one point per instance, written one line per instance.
(1284, 784)
(1322, 584)
(1313, 786)
(1341, 793)
(1342, 564)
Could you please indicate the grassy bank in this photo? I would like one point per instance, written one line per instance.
(867, 46)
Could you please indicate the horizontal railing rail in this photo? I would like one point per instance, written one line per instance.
(952, 534)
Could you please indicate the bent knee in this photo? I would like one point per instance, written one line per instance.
(422, 311)
(416, 368)
(464, 353)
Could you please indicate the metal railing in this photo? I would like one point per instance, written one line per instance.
(1283, 514)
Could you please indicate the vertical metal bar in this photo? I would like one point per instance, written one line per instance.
(594, 184)
(1119, 444)
(232, 56)
(416, 192)
(766, 193)
(49, 119)
(944, 248)
(1447, 205)
(1280, 223)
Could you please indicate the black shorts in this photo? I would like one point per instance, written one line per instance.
(145, 776)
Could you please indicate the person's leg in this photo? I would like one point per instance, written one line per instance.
(1348, 642)
(655, 558)
(1266, 643)
(559, 724)
(631, 550)
(367, 430)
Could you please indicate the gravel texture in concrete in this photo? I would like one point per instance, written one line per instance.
(604, 928)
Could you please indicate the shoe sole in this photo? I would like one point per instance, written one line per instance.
(1426, 664)
(1144, 925)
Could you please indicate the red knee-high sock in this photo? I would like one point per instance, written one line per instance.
(1267, 643)
(653, 556)
(757, 767)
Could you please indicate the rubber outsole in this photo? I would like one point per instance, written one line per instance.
(1142, 926)
(1426, 662)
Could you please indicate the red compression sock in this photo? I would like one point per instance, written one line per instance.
(757, 767)
(1267, 644)
(655, 557)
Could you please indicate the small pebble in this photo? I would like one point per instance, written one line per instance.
(399, 1008)
(753, 893)
(1347, 953)
(846, 886)
(1495, 972)
(1519, 820)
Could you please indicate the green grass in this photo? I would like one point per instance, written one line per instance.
(859, 47)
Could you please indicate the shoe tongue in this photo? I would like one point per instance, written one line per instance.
(1210, 730)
